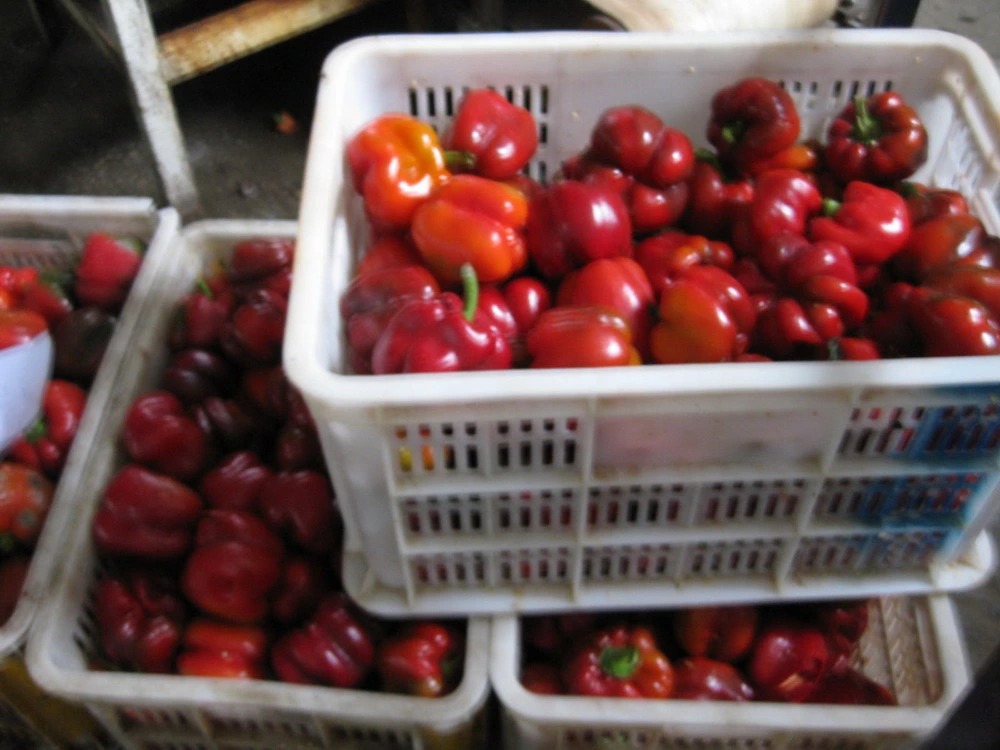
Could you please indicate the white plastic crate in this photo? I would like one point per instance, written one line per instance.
(157, 712)
(912, 646)
(48, 232)
(529, 490)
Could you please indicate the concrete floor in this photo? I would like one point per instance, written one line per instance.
(66, 127)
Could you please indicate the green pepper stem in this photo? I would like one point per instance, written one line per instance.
(459, 161)
(620, 661)
(470, 291)
(37, 431)
(908, 189)
(733, 131)
(830, 206)
(204, 288)
(867, 129)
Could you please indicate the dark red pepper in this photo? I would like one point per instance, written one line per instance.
(253, 334)
(554, 634)
(221, 649)
(137, 634)
(202, 315)
(266, 391)
(254, 260)
(297, 448)
(494, 137)
(299, 505)
(953, 325)
(46, 445)
(80, 341)
(714, 203)
(751, 121)
(13, 572)
(543, 679)
(701, 679)
(107, 268)
(419, 661)
(158, 434)
(722, 633)
(196, 374)
(873, 223)
(235, 482)
(789, 660)
(228, 425)
(784, 201)
(957, 239)
(302, 585)
(852, 688)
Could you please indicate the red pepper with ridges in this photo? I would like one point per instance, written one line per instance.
(443, 334)
(299, 505)
(699, 679)
(159, 434)
(396, 163)
(201, 316)
(256, 259)
(959, 239)
(789, 660)
(19, 327)
(784, 201)
(25, 497)
(302, 585)
(80, 341)
(146, 515)
(46, 296)
(266, 391)
(571, 223)
(515, 307)
(108, 266)
(714, 203)
(133, 636)
(253, 334)
(952, 325)
(722, 633)
(297, 448)
(636, 140)
(666, 256)
(873, 223)
(580, 337)
(220, 649)
(235, 482)
(228, 425)
(196, 374)
(493, 137)
(420, 661)
(47, 443)
(620, 662)
(332, 648)
(751, 121)
(925, 203)
(472, 220)
(880, 140)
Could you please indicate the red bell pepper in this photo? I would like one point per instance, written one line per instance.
(619, 284)
(202, 315)
(332, 648)
(952, 325)
(388, 251)
(873, 223)
(19, 327)
(843, 622)
(974, 282)
(494, 138)
(46, 296)
(572, 223)
(229, 425)
(704, 316)
(235, 564)
(135, 635)
(527, 298)
(784, 201)
(196, 374)
(620, 662)
(789, 660)
(815, 295)
(297, 448)
(47, 443)
(267, 392)
(804, 157)
(722, 633)
(13, 281)
(472, 220)
(235, 482)
(419, 661)
(943, 241)
(636, 140)
(157, 433)
(396, 163)
(371, 301)
(254, 260)
(108, 266)
(25, 497)
(701, 679)
(79, 343)
(850, 348)
(253, 334)
(299, 505)
(713, 202)
(302, 585)
(851, 688)
(443, 334)
(751, 121)
(13, 572)
(221, 649)
(666, 256)
(880, 140)
(925, 203)
(580, 337)
(541, 678)
(146, 516)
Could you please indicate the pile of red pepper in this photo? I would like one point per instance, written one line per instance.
(219, 535)
(646, 250)
(78, 308)
(798, 653)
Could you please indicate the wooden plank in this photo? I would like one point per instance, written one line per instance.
(247, 28)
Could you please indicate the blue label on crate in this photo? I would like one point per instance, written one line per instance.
(940, 500)
(958, 432)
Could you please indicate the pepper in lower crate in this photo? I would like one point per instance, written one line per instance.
(159, 434)
(220, 649)
(621, 662)
(25, 497)
(420, 661)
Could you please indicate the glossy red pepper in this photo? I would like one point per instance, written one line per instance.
(388, 251)
(704, 316)
(580, 337)
(620, 662)
(19, 327)
(228, 425)
(713, 202)
(80, 341)
(958, 239)
(255, 260)
(974, 282)
(196, 374)
(158, 434)
(637, 141)
(541, 678)
(925, 203)
(443, 334)
(527, 298)
(419, 661)
(843, 622)
(666, 256)
(472, 220)
(953, 325)
(396, 163)
(236, 562)
(202, 315)
(299, 505)
(145, 515)
(108, 265)
(789, 660)
(571, 223)
(851, 348)
(701, 679)
(784, 201)
(751, 121)
(253, 334)
(880, 140)
(814, 296)
(495, 138)
(873, 223)
(46, 296)
(46, 445)
(13, 281)
(804, 157)
(302, 585)
(220, 649)
(333, 647)
(25, 497)
(137, 633)
(722, 633)
(235, 482)
(851, 688)
(267, 392)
